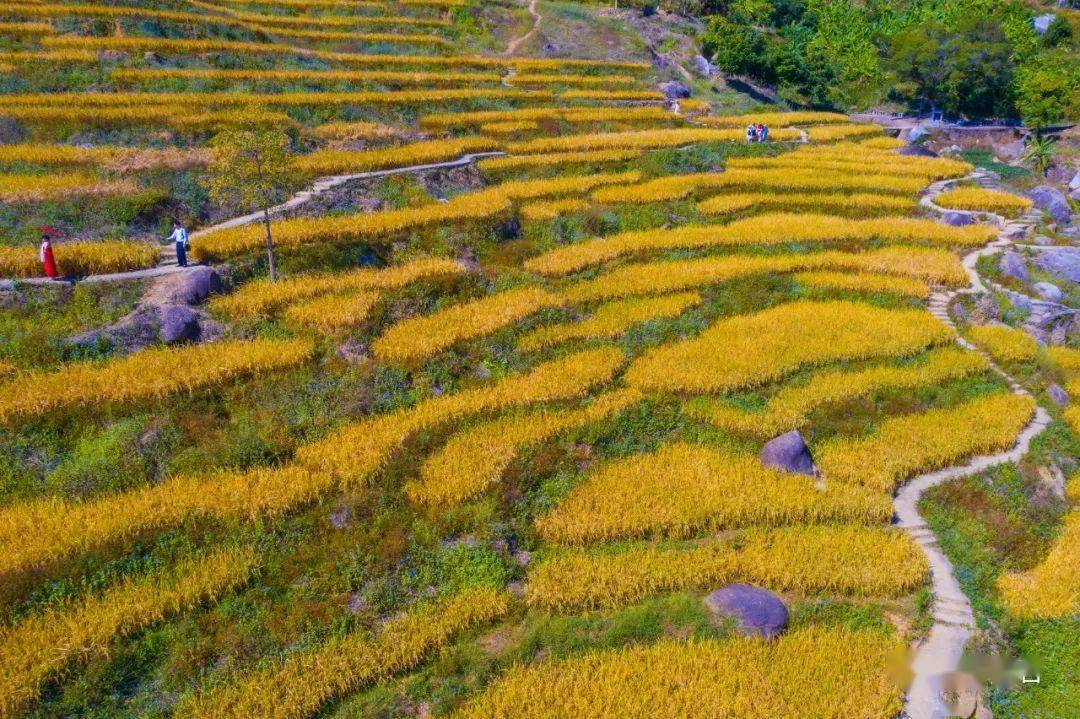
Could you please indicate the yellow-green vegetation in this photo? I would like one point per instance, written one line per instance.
(828, 559)
(817, 202)
(330, 162)
(683, 490)
(611, 319)
(39, 647)
(976, 198)
(333, 313)
(757, 348)
(809, 672)
(80, 258)
(1050, 589)
(906, 445)
(1004, 343)
(863, 282)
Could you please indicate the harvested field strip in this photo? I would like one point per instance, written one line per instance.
(808, 672)
(790, 405)
(685, 490)
(420, 338)
(299, 684)
(263, 296)
(768, 229)
(333, 313)
(1051, 589)
(526, 162)
(80, 258)
(1005, 344)
(907, 445)
(776, 119)
(566, 114)
(329, 162)
(165, 116)
(481, 205)
(808, 560)
(646, 278)
(864, 282)
(25, 28)
(195, 100)
(51, 56)
(610, 320)
(980, 200)
(348, 58)
(358, 450)
(144, 375)
(40, 647)
(113, 157)
(21, 188)
(541, 211)
(36, 534)
(640, 139)
(476, 458)
(811, 202)
(749, 350)
(387, 77)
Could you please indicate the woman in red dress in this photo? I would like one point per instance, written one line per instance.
(48, 262)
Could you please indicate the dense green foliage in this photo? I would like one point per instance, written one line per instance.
(971, 58)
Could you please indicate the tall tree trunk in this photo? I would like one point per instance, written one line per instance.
(269, 245)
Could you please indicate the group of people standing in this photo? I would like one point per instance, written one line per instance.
(48, 258)
(757, 132)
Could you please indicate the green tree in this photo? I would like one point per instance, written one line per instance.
(735, 48)
(844, 42)
(1047, 89)
(253, 167)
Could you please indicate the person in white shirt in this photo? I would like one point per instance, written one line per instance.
(183, 244)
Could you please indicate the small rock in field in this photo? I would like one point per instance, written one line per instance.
(917, 151)
(1012, 264)
(178, 324)
(674, 90)
(960, 312)
(1049, 291)
(1052, 202)
(703, 67)
(789, 453)
(1042, 240)
(1057, 394)
(340, 517)
(758, 611)
(957, 219)
(1064, 262)
(198, 284)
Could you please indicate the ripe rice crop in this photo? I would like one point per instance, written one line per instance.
(481, 205)
(50, 56)
(526, 162)
(808, 560)
(80, 258)
(476, 458)
(329, 162)
(883, 142)
(1065, 359)
(322, 20)
(776, 119)
(569, 79)
(333, 313)
(1004, 343)
(685, 490)
(25, 28)
(386, 77)
(1051, 589)
(21, 188)
(611, 320)
(42, 532)
(540, 211)
(831, 133)
(639, 139)
(357, 451)
(748, 350)
(789, 406)
(566, 114)
(39, 647)
(808, 202)
(149, 374)
(812, 180)
(641, 95)
(419, 338)
(302, 681)
(648, 278)
(509, 128)
(978, 199)
(769, 229)
(902, 446)
(165, 116)
(359, 130)
(863, 282)
(807, 672)
(263, 296)
(927, 168)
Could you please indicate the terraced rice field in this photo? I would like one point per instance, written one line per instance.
(483, 446)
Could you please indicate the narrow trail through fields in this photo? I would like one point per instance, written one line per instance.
(517, 42)
(953, 619)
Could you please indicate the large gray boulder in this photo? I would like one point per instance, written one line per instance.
(1057, 394)
(917, 151)
(1041, 23)
(1049, 291)
(789, 453)
(674, 90)
(917, 133)
(1074, 187)
(1064, 261)
(1012, 264)
(178, 324)
(1052, 202)
(703, 67)
(957, 219)
(758, 612)
(196, 285)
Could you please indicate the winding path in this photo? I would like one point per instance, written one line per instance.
(953, 620)
(516, 42)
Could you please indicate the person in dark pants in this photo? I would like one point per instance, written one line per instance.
(183, 244)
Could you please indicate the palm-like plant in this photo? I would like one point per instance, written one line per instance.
(1039, 152)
